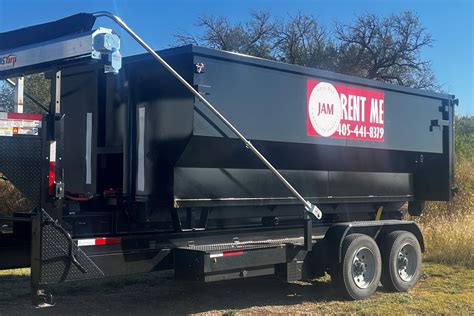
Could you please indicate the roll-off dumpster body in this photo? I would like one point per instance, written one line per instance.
(376, 142)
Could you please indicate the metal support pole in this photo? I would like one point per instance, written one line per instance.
(52, 196)
(308, 233)
(56, 147)
(29, 96)
(36, 257)
(19, 94)
(39, 294)
(311, 209)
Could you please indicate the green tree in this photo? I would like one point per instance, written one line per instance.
(464, 127)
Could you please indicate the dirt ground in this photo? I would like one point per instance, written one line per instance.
(442, 289)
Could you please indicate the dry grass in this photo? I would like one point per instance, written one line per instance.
(450, 240)
(14, 273)
(11, 199)
(463, 202)
(448, 228)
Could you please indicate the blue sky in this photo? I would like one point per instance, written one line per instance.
(450, 23)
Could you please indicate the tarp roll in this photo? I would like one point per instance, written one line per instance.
(74, 24)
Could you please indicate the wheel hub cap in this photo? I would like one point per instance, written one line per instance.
(363, 268)
(407, 263)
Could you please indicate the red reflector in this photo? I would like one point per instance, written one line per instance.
(24, 116)
(52, 176)
(108, 241)
(233, 253)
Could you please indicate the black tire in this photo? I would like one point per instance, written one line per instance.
(393, 278)
(346, 283)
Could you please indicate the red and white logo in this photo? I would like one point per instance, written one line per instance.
(324, 109)
(340, 111)
(8, 61)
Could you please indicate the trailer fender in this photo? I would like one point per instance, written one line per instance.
(329, 250)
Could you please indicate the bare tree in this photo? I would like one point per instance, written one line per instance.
(37, 91)
(6, 96)
(300, 40)
(386, 49)
(253, 38)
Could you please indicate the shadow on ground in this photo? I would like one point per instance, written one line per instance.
(160, 293)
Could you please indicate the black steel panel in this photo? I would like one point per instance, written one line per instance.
(163, 116)
(115, 117)
(408, 124)
(211, 152)
(194, 185)
(79, 96)
(199, 265)
(376, 184)
(138, 261)
(15, 251)
(245, 273)
(89, 224)
(250, 258)
(213, 183)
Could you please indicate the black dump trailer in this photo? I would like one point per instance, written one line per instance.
(130, 171)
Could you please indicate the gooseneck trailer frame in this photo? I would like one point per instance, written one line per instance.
(131, 169)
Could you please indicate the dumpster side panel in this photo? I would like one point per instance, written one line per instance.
(270, 104)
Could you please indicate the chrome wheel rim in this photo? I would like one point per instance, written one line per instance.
(363, 268)
(407, 262)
